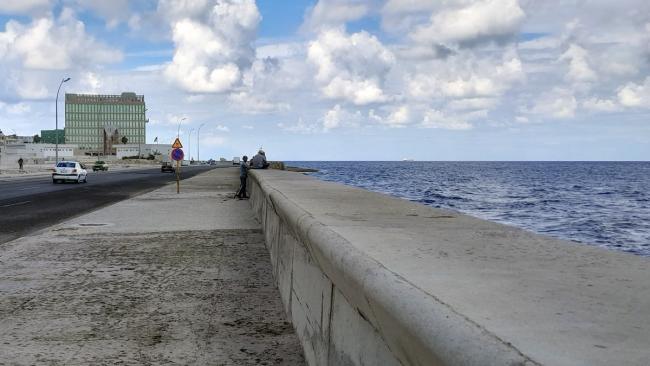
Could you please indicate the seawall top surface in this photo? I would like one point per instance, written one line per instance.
(556, 302)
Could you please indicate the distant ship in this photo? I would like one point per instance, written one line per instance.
(408, 159)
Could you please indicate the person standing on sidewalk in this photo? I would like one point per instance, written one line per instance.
(243, 175)
(20, 163)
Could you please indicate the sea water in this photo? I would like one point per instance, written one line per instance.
(606, 204)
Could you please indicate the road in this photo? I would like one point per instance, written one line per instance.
(30, 204)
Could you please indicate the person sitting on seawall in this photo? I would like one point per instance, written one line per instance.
(259, 161)
(243, 175)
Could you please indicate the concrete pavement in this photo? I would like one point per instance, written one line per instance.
(157, 279)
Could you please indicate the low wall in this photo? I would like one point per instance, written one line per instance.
(372, 280)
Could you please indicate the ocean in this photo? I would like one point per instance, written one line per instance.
(606, 204)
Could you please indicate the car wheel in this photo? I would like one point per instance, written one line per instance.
(78, 179)
(54, 181)
(85, 179)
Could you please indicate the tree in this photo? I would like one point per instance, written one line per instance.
(37, 139)
(125, 140)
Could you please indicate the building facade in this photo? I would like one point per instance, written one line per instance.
(99, 123)
(160, 152)
(49, 136)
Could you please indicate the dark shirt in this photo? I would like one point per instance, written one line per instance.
(258, 161)
(243, 169)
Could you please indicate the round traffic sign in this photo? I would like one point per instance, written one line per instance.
(177, 154)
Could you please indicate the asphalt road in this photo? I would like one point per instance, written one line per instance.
(30, 204)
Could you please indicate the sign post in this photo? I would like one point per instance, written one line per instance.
(177, 155)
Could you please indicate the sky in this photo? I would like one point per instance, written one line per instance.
(346, 79)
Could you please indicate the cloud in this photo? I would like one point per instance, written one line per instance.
(247, 103)
(300, 127)
(473, 103)
(213, 140)
(211, 55)
(393, 116)
(333, 13)
(24, 7)
(181, 9)
(466, 76)
(53, 44)
(222, 128)
(91, 83)
(600, 105)
(16, 108)
(437, 119)
(579, 69)
(558, 103)
(635, 95)
(195, 98)
(113, 11)
(401, 16)
(30, 86)
(477, 22)
(350, 67)
(176, 119)
(399, 117)
(338, 117)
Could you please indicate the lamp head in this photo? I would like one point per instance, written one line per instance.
(66, 80)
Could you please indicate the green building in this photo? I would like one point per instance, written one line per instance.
(97, 123)
(49, 136)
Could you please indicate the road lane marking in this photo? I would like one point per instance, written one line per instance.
(16, 204)
(26, 188)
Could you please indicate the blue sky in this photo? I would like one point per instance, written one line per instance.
(347, 79)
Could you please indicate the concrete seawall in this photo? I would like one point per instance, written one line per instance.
(369, 279)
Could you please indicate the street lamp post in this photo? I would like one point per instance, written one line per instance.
(56, 118)
(189, 146)
(198, 143)
(178, 134)
(140, 135)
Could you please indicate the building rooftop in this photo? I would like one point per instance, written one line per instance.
(124, 98)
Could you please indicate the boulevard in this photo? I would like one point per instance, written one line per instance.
(32, 203)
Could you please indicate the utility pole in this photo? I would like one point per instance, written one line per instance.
(56, 118)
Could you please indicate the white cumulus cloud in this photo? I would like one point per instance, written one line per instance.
(579, 69)
(53, 44)
(211, 55)
(475, 22)
(350, 67)
(635, 95)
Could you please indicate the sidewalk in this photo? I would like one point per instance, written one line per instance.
(158, 279)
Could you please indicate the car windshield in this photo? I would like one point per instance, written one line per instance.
(65, 165)
(99, 162)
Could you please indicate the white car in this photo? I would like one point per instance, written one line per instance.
(69, 170)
